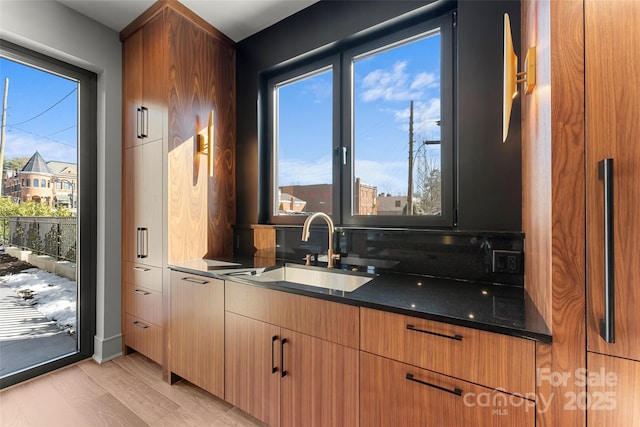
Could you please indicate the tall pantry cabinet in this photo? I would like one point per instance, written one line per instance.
(612, 67)
(176, 69)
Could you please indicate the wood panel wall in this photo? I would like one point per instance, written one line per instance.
(553, 197)
(201, 78)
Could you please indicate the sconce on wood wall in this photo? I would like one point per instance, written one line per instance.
(512, 77)
(206, 143)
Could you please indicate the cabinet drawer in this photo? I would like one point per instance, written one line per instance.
(323, 319)
(397, 394)
(143, 275)
(144, 337)
(493, 360)
(143, 303)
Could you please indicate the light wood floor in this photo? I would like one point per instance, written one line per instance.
(127, 391)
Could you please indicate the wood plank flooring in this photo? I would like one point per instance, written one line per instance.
(127, 391)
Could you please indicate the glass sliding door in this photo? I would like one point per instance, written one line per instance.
(47, 214)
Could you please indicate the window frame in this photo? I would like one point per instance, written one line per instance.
(446, 219)
(300, 72)
(340, 55)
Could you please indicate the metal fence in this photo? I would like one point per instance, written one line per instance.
(53, 236)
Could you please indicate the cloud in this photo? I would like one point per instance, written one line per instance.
(19, 145)
(302, 172)
(425, 117)
(425, 80)
(396, 84)
(387, 176)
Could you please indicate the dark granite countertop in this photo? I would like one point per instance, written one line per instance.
(491, 307)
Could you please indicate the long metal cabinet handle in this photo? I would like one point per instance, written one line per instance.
(456, 391)
(451, 337)
(143, 269)
(143, 242)
(274, 368)
(607, 327)
(139, 123)
(145, 122)
(283, 372)
(138, 242)
(140, 292)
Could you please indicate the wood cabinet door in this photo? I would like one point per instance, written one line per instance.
(396, 394)
(154, 96)
(148, 198)
(131, 182)
(252, 367)
(320, 386)
(132, 72)
(612, 40)
(197, 331)
(613, 391)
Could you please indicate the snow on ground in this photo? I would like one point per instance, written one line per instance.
(53, 296)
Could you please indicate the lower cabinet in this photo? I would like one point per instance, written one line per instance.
(252, 374)
(397, 394)
(288, 378)
(613, 391)
(197, 331)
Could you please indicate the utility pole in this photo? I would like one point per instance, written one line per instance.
(410, 180)
(4, 125)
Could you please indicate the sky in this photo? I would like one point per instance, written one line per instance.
(42, 111)
(385, 83)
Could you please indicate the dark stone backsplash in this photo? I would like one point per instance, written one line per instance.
(458, 255)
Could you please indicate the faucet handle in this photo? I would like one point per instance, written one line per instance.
(307, 258)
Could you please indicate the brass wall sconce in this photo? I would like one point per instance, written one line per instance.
(206, 142)
(512, 77)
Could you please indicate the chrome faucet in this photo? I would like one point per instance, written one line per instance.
(332, 229)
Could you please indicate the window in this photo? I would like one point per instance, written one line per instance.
(304, 113)
(366, 135)
(28, 183)
(36, 183)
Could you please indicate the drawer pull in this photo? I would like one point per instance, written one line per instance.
(140, 292)
(283, 372)
(456, 391)
(451, 337)
(140, 325)
(192, 280)
(143, 269)
(274, 368)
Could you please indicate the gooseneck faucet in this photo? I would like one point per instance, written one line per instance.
(332, 229)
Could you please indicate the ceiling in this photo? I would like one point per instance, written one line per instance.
(237, 19)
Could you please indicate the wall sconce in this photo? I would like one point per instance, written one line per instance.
(512, 77)
(206, 142)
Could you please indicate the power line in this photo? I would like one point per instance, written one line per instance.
(44, 137)
(38, 115)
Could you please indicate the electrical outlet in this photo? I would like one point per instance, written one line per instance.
(509, 262)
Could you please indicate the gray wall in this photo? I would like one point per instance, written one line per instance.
(488, 181)
(52, 29)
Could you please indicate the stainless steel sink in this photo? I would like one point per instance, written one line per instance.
(314, 276)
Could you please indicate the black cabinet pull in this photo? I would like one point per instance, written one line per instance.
(144, 237)
(456, 391)
(144, 133)
(607, 329)
(283, 372)
(138, 242)
(139, 123)
(451, 337)
(274, 368)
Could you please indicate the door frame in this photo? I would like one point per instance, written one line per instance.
(86, 229)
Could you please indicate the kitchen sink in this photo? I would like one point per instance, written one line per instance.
(341, 280)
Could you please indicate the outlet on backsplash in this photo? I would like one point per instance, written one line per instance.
(509, 262)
